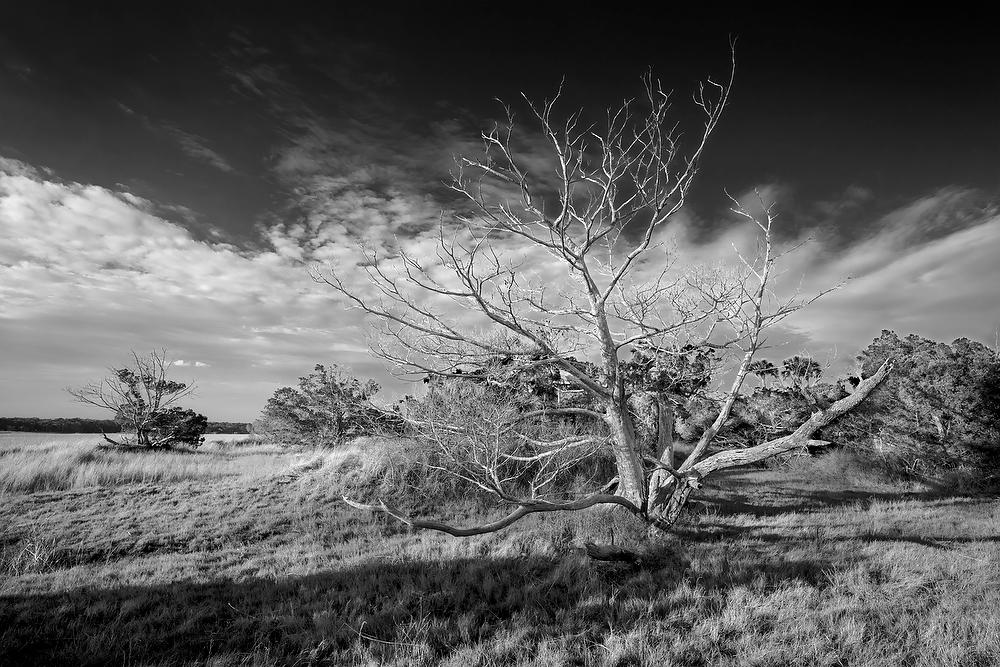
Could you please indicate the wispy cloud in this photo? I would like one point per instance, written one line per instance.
(191, 144)
(368, 177)
(911, 276)
(183, 362)
(197, 147)
(928, 266)
(355, 164)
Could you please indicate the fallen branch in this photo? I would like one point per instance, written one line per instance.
(802, 437)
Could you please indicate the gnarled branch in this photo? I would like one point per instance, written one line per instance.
(523, 510)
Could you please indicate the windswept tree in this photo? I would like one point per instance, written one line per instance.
(144, 402)
(561, 250)
(328, 405)
(946, 396)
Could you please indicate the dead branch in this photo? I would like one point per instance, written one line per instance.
(522, 511)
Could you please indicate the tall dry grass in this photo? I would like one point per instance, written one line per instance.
(771, 567)
(32, 462)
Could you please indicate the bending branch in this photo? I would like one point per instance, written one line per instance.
(525, 508)
(802, 435)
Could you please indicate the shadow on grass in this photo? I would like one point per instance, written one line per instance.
(335, 615)
(708, 532)
(733, 493)
(730, 503)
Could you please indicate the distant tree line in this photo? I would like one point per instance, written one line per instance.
(228, 427)
(58, 425)
(82, 425)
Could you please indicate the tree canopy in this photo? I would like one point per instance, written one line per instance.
(589, 201)
(327, 406)
(143, 400)
(946, 395)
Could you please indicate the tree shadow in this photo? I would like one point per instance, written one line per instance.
(730, 494)
(770, 535)
(370, 607)
(732, 503)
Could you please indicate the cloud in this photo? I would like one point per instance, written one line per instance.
(197, 147)
(356, 164)
(17, 168)
(196, 364)
(72, 235)
(191, 144)
(924, 265)
(928, 267)
(87, 273)
(943, 287)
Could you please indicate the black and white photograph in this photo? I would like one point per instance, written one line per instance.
(499, 334)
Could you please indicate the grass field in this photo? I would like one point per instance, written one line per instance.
(248, 558)
(32, 462)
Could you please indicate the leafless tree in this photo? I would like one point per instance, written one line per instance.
(595, 205)
(140, 396)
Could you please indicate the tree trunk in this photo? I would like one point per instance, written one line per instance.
(664, 431)
(667, 497)
(141, 435)
(631, 475)
(943, 425)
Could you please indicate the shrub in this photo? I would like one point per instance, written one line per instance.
(180, 426)
(328, 406)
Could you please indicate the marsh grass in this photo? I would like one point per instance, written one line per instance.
(32, 462)
(32, 555)
(769, 568)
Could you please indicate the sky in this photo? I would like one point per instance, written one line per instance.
(168, 176)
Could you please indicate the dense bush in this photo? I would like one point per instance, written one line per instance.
(328, 406)
(180, 426)
(939, 409)
(483, 450)
(936, 417)
(401, 469)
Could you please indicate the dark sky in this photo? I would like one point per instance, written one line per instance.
(233, 123)
(899, 104)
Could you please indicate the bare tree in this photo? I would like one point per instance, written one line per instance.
(142, 399)
(600, 218)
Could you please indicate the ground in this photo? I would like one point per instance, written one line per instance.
(238, 555)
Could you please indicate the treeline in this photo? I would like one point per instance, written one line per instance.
(81, 425)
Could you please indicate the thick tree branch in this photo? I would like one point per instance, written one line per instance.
(802, 435)
(525, 508)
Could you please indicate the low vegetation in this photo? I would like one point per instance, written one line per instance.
(32, 462)
(144, 402)
(809, 564)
